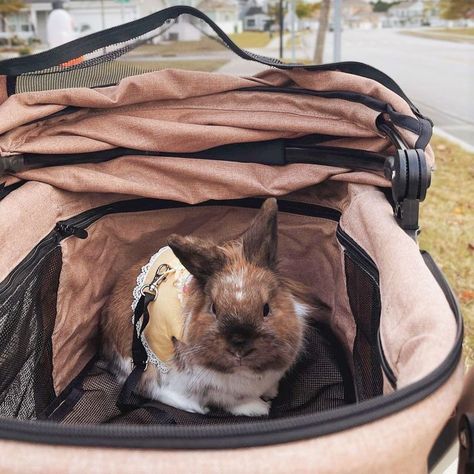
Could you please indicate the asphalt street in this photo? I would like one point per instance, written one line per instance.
(437, 75)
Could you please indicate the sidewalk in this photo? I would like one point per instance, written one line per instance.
(304, 50)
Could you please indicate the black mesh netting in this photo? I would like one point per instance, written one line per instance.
(27, 316)
(319, 381)
(364, 298)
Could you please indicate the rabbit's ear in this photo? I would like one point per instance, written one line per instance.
(260, 241)
(200, 257)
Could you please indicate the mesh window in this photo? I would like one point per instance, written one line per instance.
(364, 299)
(320, 381)
(27, 316)
(182, 43)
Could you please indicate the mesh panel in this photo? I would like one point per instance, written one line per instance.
(109, 65)
(93, 75)
(27, 316)
(319, 381)
(364, 298)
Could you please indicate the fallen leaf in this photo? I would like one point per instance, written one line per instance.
(466, 296)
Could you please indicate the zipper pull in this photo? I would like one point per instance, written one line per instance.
(67, 230)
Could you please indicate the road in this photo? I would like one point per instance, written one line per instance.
(437, 75)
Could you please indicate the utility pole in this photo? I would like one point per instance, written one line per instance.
(293, 31)
(337, 20)
(281, 29)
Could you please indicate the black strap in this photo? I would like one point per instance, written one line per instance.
(139, 354)
(134, 29)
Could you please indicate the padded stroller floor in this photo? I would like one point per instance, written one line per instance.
(319, 381)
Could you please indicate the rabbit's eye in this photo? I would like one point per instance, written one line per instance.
(266, 310)
(213, 309)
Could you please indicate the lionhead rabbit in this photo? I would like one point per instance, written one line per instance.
(242, 324)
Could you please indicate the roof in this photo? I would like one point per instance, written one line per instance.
(254, 11)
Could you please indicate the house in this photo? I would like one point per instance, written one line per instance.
(255, 19)
(184, 27)
(88, 16)
(223, 12)
(408, 13)
(357, 14)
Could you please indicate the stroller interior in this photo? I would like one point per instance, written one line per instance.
(102, 174)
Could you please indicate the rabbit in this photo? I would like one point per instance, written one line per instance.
(244, 324)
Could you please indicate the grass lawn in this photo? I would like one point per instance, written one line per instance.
(456, 31)
(173, 48)
(447, 223)
(251, 39)
(206, 65)
(463, 35)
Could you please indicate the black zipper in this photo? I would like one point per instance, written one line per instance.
(357, 253)
(238, 435)
(76, 226)
(363, 260)
(6, 190)
(391, 377)
(414, 125)
(253, 152)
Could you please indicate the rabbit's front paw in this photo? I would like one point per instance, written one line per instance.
(256, 407)
(271, 393)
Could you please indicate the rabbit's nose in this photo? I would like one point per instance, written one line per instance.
(241, 352)
(241, 345)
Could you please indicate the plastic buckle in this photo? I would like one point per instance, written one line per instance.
(410, 178)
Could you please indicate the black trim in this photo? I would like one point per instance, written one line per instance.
(450, 431)
(11, 84)
(358, 253)
(64, 402)
(137, 28)
(387, 370)
(417, 126)
(6, 190)
(444, 285)
(239, 435)
(364, 260)
(278, 152)
(83, 220)
(351, 158)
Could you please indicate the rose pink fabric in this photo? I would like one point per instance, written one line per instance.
(397, 443)
(3, 89)
(183, 111)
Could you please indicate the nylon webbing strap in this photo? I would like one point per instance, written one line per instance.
(139, 354)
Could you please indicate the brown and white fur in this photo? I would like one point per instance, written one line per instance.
(244, 324)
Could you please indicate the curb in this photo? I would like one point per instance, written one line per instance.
(464, 145)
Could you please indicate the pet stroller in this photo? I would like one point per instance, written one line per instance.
(101, 162)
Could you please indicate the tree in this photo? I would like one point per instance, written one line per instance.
(381, 6)
(273, 11)
(456, 9)
(306, 10)
(8, 7)
(321, 36)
